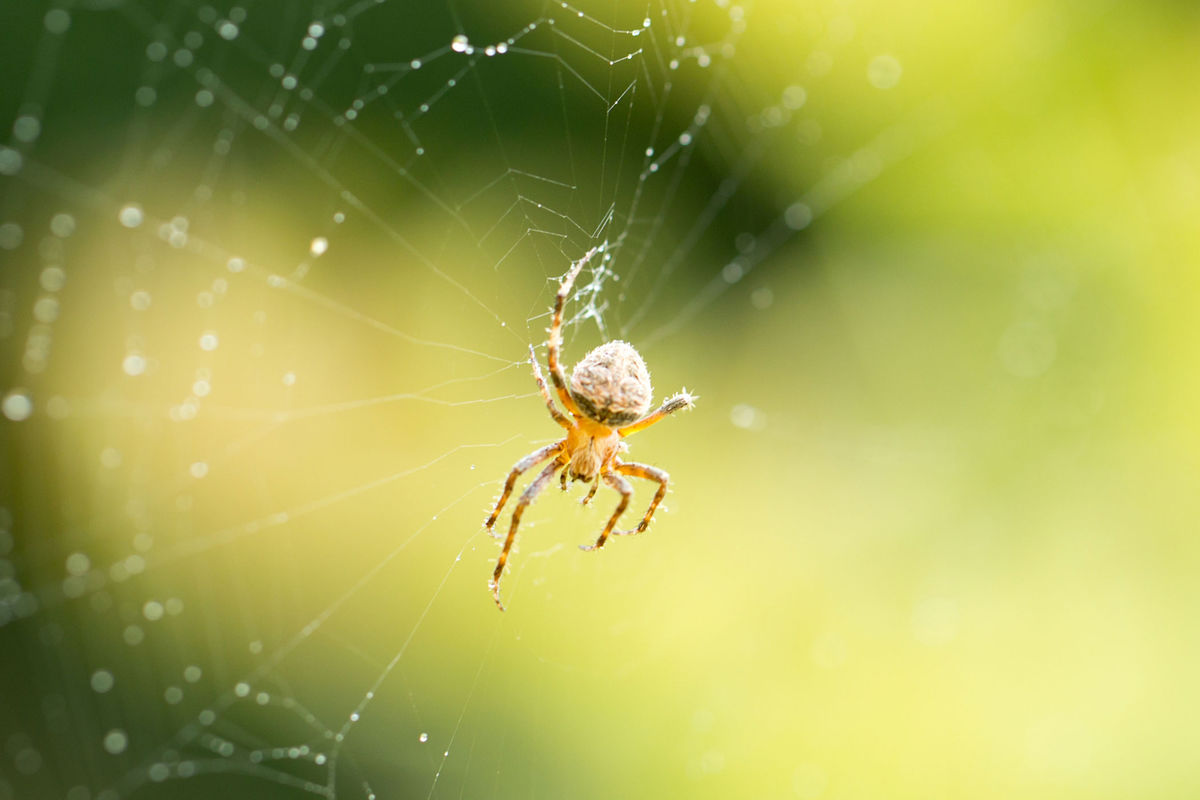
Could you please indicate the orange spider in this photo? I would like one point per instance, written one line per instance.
(608, 398)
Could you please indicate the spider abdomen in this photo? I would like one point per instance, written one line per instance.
(611, 384)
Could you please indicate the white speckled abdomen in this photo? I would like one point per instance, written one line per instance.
(611, 385)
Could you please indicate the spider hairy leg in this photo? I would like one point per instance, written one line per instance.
(680, 401)
(555, 343)
(621, 485)
(559, 417)
(591, 492)
(649, 473)
(531, 492)
(526, 463)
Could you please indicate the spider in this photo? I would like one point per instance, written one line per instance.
(607, 401)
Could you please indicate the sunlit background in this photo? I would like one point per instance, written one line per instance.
(268, 277)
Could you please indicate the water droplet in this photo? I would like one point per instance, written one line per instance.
(134, 364)
(884, 72)
(11, 234)
(115, 741)
(26, 128)
(102, 681)
(57, 21)
(747, 417)
(17, 405)
(78, 564)
(798, 216)
(52, 278)
(45, 310)
(762, 298)
(424, 737)
(62, 225)
(459, 44)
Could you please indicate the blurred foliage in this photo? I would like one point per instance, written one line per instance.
(933, 522)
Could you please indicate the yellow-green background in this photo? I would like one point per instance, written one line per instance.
(949, 551)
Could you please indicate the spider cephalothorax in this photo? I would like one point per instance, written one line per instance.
(608, 398)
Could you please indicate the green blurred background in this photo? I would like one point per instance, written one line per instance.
(931, 268)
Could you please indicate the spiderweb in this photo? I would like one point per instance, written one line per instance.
(271, 272)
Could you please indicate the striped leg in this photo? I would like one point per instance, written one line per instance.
(528, 462)
(622, 486)
(650, 474)
(527, 497)
(559, 417)
(556, 371)
(592, 491)
(682, 400)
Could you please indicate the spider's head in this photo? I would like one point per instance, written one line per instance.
(611, 385)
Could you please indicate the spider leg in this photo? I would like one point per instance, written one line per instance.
(592, 492)
(559, 417)
(528, 462)
(527, 497)
(682, 400)
(621, 485)
(555, 344)
(563, 476)
(651, 474)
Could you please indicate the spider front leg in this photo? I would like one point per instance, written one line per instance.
(528, 462)
(651, 474)
(622, 486)
(559, 417)
(684, 399)
(527, 497)
(555, 344)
